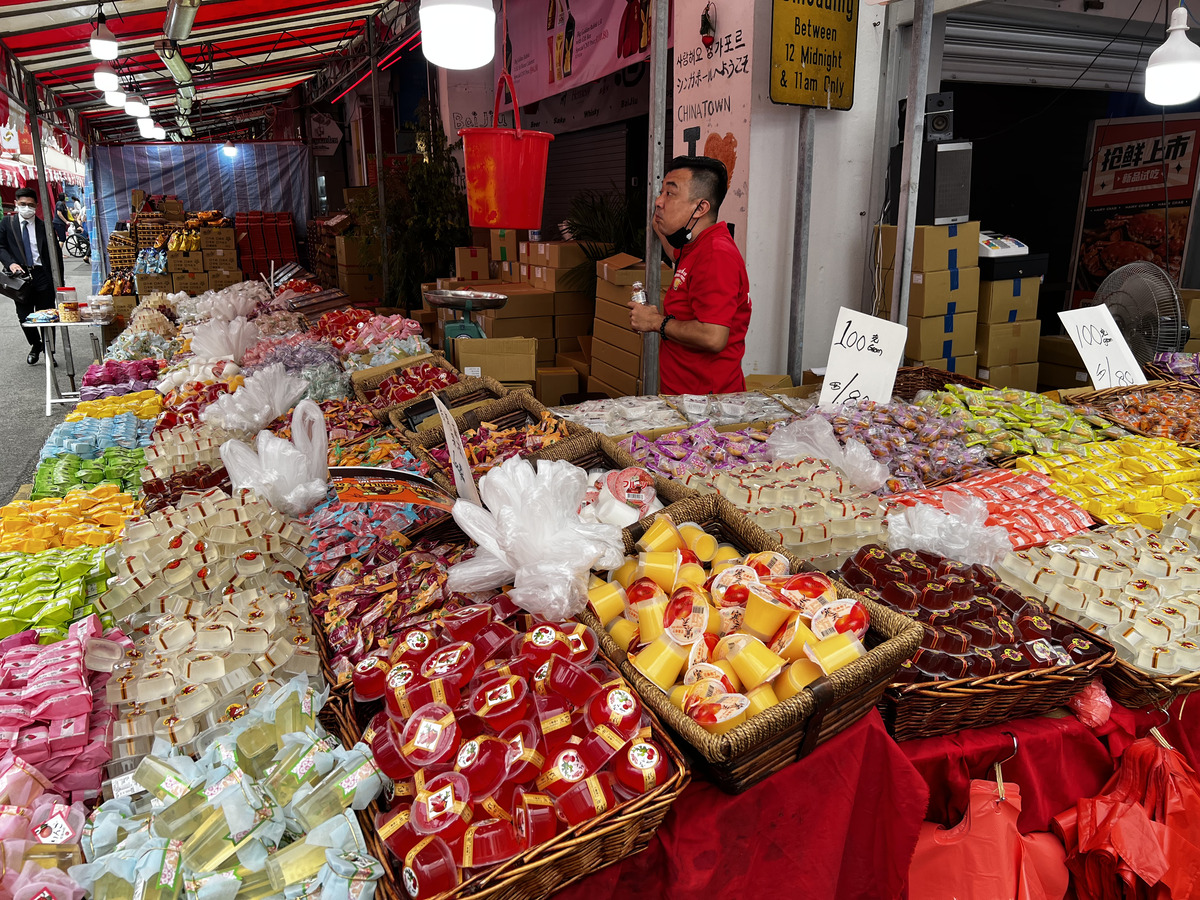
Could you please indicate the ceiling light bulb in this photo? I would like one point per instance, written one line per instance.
(159, 133)
(145, 127)
(458, 34)
(1173, 70)
(103, 43)
(105, 78)
(136, 106)
(115, 98)
(229, 149)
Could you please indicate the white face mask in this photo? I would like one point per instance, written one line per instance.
(26, 212)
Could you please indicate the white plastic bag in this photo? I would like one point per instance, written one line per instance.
(813, 436)
(291, 477)
(531, 535)
(266, 395)
(958, 532)
(224, 340)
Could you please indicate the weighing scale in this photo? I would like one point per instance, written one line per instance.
(464, 302)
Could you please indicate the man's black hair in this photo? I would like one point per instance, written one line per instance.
(710, 180)
(26, 192)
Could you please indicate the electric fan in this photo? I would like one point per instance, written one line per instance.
(1146, 307)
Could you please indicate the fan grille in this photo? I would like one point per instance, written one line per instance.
(1146, 307)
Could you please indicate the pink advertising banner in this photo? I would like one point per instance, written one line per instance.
(556, 45)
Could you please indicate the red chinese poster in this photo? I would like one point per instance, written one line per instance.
(1137, 200)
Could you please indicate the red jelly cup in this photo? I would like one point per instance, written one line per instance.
(570, 681)
(600, 745)
(489, 842)
(500, 701)
(535, 817)
(377, 724)
(587, 799)
(403, 702)
(455, 663)
(370, 678)
(414, 646)
(431, 736)
(443, 807)
(492, 640)
(563, 770)
(483, 761)
(395, 830)
(641, 766)
(429, 869)
(543, 641)
(525, 751)
(385, 747)
(464, 623)
(554, 720)
(402, 677)
(584, 645)
(615, 705)
(504, 606)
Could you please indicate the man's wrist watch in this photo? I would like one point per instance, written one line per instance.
(662, 326)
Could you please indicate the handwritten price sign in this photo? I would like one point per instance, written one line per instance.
(863, 359)
(464, 479)
(1105, 353)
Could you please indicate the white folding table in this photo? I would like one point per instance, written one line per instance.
(47, 329)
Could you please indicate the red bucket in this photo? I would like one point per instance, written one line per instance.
(506, 171)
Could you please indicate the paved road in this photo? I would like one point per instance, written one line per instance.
(24, 426)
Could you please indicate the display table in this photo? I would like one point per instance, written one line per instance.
(842, 822)
(48, 329)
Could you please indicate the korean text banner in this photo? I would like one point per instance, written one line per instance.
(555, 45)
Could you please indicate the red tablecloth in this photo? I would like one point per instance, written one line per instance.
(842, 822)
(1182, 731)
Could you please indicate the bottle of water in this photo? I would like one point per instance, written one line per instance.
(639, 293)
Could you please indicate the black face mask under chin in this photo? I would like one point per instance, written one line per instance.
(678, 239)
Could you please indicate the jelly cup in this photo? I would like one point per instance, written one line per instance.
(402, 676)
(590, 798)
(443, 806)
(795, 678)
(835, 652)
(414, 646)
(699, 541)
(660, 567)
(599, 746)
(641, 766)
(791, 639)
(525, 751)
(761, 699)
(395, 830)
(492, 640)
(535, 817)
(504, 606)
(543, 641)
(584, 646)
(464, 623)
(431, 735)
(623, 632)
(370, 678)
(483, 760)
(402, 702)
(689, 616)
(455, 663)
(569, 680)
(429, 869)
(626, 573)
(607, 601)
(385, 747)
(754, 662)
(489, 842)
(722, 713)
(661, 535)
(500, 701)
(661, 661)
(563, 770)
(554, 720)
(617, 706)
(765, 613)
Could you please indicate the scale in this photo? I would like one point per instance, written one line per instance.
(464, 302)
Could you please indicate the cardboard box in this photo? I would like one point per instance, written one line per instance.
(553, 382)
(627, 384)
(220, 259)
(622, 338)
(1022, 375)
(525, 272)
(617, 359)
(578, 303)
(1053, 375)
(148, 284)
(124, 304)
(364, 194)
(1008, 343)
(505, 359)
(1008, 301)
(1191, 311)
(523, 302)
(941, 336)
(223, 278)
(356, 252)
(173, 211)
(540, 327)
(575, 360)
(768, 382)
(572, 326)
(360, 285)
(185, 261)
(613, 293)
(562, 280)
(191, 282)
(136, 199)
(525, 252)
(471, 263)
(596, 386)
(505, 243)
(960, 365)
(218, 239)
(566, 345)
(559, 254)
(625, 269)
(617, 314)
(939, 293)
(935, 247)
(546, 352)
(456, 284)
(1059, 350)
(509, 272)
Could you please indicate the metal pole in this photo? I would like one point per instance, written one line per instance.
(383, 250)
(654, 166)
(910, 166)
(43, 183)
(804, 174)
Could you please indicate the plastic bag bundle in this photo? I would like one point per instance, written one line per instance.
(530, 535)
(960, 532)
(220, 339)
(290, 476)
(266, 395)
(814, 437)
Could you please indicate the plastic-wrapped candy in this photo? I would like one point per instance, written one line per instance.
(133, 345)
(326, 381)
(88, 437)
(294, 352)
(280, 324)
(700, 448)
(410, 382)
(623, 415)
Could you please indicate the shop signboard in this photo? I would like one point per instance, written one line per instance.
(1137, 199)
(324, 135)
(813, 46)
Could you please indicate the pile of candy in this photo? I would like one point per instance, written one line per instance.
(700, 448)
(145, 404)
(383, 451)
(295, 352)
(728, 409)
(1161, 411)
(1184, 367)
(624, 415)
(113, 378)
(1025, 504)
(973, 626)
(1009, 422)
(115, 465)
(408, 383)
(46, 591)
(150, 262)
(130, 345)
(186, 402)
(488, 446)
(346, 421)
(39, 834)
(728, 641)
(80, 518)
(281, 324)
(916, 444)
(160, 493)
(1133, 480)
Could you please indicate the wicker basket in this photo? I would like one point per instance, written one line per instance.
(1134, 688)
(469, 390)
(546, 868)
(943, 707)
(366, 380)
(911, 380)
(1156, 372)
(589, 451)
(776, 738)
(514, 410)
(1100, 399)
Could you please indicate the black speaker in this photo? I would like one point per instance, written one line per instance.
(939, 117)
(944, 194)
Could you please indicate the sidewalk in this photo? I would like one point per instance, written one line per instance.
(24, 426)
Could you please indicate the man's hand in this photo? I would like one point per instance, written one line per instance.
(643, 317)
(15, 268)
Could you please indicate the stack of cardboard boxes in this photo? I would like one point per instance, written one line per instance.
(1009, 332)
(943, 300)
(1060, 367)
(213, 267)
(615, 363)
(359, 270)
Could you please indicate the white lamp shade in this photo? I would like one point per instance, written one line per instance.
(1173, 70)
(103, 43)
(145, 127)
(458, 34)
(115, 98)
(159, 133)
(105, 78)
(229, 149)
(136, 106)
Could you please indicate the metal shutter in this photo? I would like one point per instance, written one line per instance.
(996, 44)
(581, 160)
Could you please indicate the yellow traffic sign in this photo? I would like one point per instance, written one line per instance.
(812, 52)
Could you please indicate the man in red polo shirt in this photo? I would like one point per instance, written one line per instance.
(707, 306)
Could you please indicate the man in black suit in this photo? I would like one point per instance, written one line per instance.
(23, 236)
